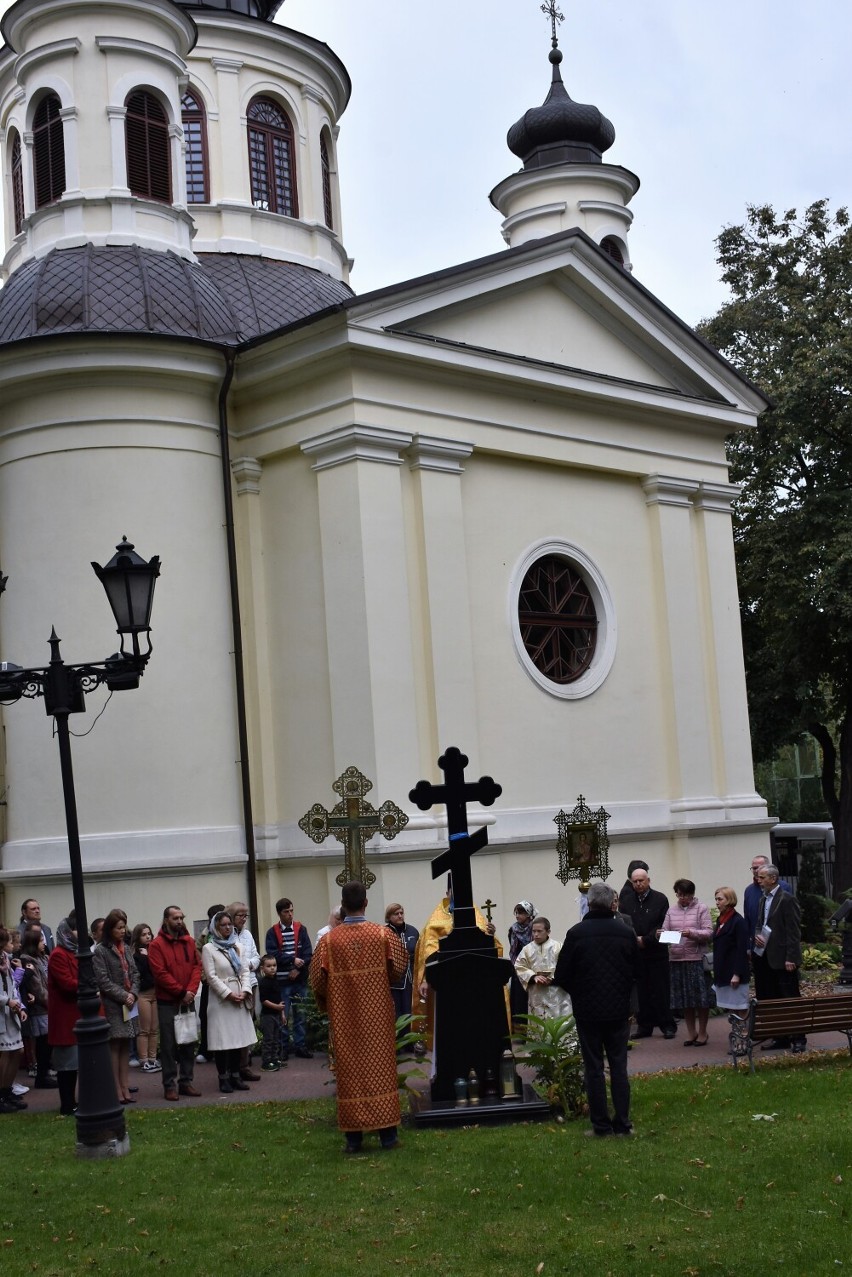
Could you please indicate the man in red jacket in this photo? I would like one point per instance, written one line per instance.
(176, 968)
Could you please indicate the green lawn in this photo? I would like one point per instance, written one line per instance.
(704, 1188)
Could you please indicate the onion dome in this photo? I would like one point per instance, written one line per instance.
(560, 131)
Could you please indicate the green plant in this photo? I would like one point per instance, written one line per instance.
(817, 956)
(407, 1037)
(553, 1052)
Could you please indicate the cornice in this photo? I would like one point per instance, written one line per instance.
(356, 443)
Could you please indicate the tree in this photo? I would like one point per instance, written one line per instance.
(788, 327)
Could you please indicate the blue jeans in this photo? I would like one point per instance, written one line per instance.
(293, 996)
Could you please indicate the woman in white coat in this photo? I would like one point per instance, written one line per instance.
(230, 1024)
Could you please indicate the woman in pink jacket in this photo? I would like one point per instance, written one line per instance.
(689, 991)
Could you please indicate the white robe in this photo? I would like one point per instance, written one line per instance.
(545, 1000)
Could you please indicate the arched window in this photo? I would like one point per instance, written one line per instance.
(195, 138)
(326, 183)
(272, 158)
(48, 151)
(613, 249)
(146, 135)
(17, 174)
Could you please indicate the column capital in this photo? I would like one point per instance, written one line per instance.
(229, 65)
(247, 472)
(717, 496)
(664, 489)
(430, 453)
(356, 443)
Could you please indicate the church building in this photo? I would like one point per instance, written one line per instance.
(486, 508)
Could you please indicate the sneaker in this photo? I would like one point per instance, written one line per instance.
(272, 1067)
(32, 1071)
(18, 1088)
(152, 1066)
(201, 1059)
(135, 1062)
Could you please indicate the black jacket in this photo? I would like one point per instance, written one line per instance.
(648, 917)
(730, 951)
(597, 966)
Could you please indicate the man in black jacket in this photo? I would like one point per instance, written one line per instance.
(597, 966)
(648, 910)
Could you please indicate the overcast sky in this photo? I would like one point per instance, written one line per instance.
(715, 106)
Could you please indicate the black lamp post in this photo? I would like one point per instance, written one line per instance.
(129, 584)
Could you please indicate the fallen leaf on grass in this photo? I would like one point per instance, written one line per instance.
(763, 1117)
(539, 1268)
(740, 1203)
(661, 1197)
(838, 1179)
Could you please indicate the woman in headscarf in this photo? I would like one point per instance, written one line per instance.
(63, 1012)
(12, 1016)
(520, 935)
(118, 980)
(230, 1024)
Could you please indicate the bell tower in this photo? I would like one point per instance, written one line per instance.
(564, 182)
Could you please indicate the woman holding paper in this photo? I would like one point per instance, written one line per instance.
(118, 980)
(692, 930)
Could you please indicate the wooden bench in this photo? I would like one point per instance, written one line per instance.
(789, 1018)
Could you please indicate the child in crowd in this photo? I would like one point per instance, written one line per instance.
(271, 1014)
(534, 968)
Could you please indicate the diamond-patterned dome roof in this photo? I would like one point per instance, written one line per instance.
(560, 130)
(225, 299)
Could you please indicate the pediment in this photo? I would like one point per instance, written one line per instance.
(559, 302)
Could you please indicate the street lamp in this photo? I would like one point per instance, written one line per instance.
(129, 584)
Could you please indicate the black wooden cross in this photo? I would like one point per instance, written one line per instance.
(456, 793)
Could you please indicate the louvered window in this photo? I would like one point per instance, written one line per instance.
(326, 183)
(271, 158)
(17, 183)
(48, 151)
(146, 132)
(195, 139)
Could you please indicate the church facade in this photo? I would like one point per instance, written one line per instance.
(486, 508)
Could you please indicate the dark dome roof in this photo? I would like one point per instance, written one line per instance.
(224, 299)
(265, 294)
(560, 131)
(263, 9)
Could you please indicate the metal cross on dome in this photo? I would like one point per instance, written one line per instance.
(353, 821)
(555, 16)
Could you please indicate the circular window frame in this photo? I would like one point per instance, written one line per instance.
(607, 632)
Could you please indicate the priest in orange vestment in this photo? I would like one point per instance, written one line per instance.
(351, 974)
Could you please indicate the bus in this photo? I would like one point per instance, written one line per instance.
(789, 841)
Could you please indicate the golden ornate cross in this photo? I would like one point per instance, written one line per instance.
(353, 822)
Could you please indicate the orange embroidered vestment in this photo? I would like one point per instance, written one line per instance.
(351, 973)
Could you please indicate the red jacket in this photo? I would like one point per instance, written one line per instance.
(175, 966)
(62, 1010)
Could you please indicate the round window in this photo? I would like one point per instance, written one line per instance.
(557, 618)
(563, 620)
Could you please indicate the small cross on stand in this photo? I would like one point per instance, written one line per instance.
(353, 822)
(488, 906)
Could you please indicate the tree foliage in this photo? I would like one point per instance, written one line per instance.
(788, 327)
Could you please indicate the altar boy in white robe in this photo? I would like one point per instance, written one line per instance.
(534, 968)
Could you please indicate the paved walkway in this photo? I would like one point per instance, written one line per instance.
(311, 1079)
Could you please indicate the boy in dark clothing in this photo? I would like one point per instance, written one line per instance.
(271, 1015)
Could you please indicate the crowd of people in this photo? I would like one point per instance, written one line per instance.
(633, 956)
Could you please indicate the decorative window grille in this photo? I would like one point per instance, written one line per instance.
(271, 158)
(557, 619)
(326, 183)
(17, 184)
(146, 132)
(195, 138)
(48, 151)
